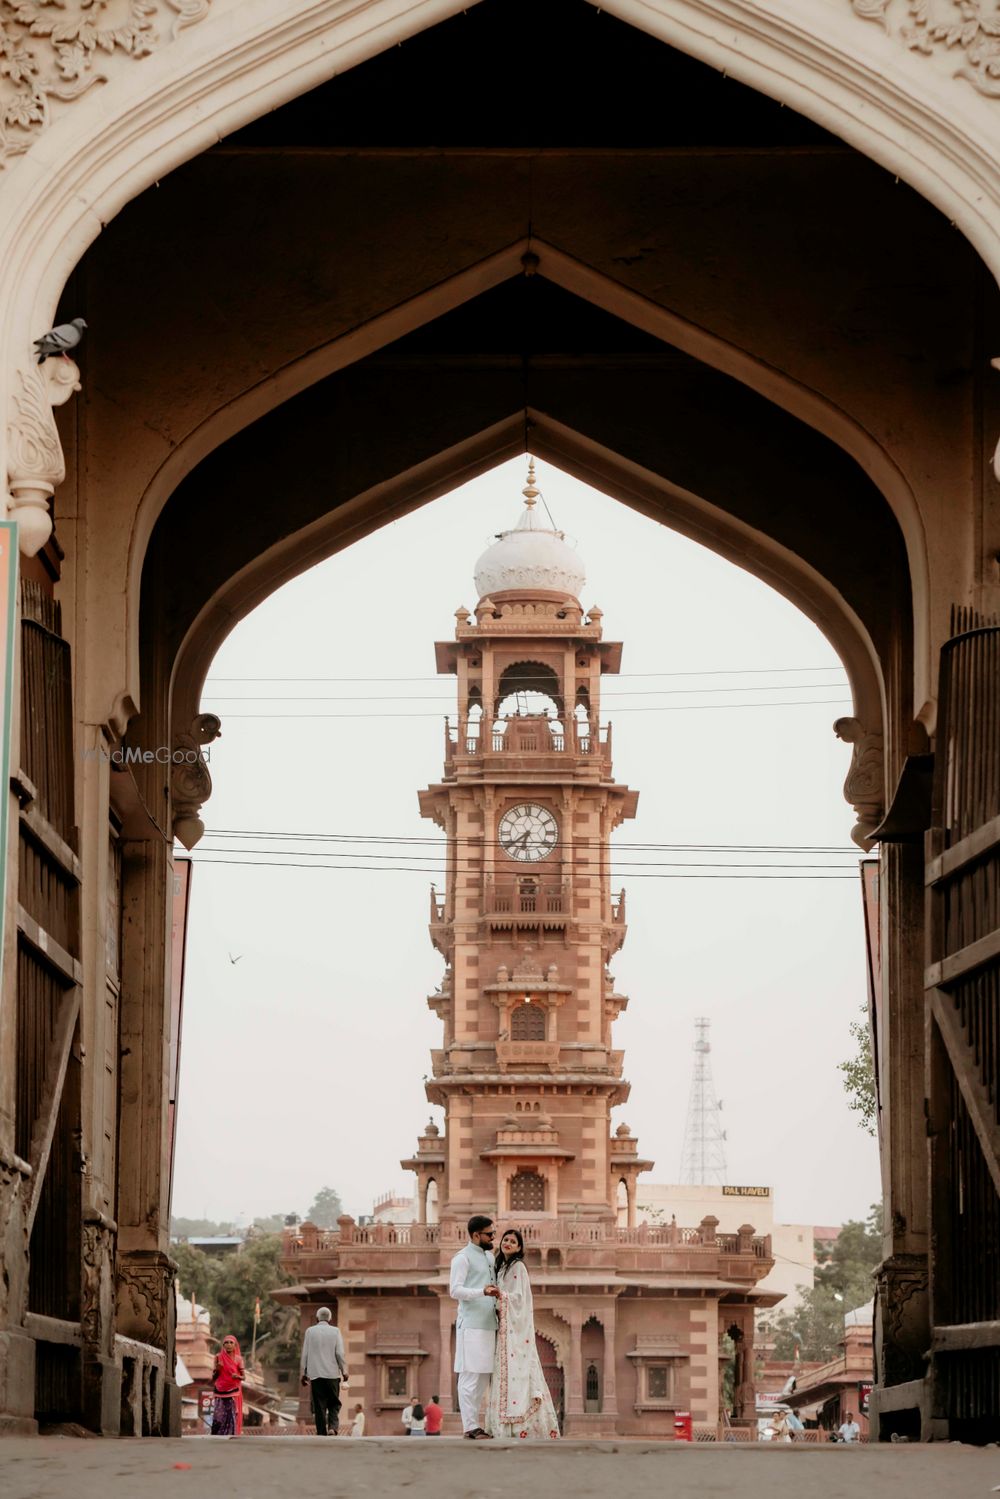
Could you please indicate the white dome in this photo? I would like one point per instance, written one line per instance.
(530, 558)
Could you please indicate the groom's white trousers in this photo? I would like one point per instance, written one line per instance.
(472, 1390)
(474, 1352)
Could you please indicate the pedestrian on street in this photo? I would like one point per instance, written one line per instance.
(324, 1368)
(418, 1421)
(228, 1374)
(358, 1424)
(434, 1415)
(407, 1415)
(849, 1431)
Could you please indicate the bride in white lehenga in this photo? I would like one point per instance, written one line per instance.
(519, 1403)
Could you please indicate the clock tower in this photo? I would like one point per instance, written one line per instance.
(528, 922)
(628, 1315)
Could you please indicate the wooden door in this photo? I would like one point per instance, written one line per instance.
(962, 986)
(552, 1370)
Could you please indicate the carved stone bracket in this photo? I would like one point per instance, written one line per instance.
(55, 50)
(968, 28)
(190, 782)
(35, 462)
(902, 1323)
(864, 788)
(146, 1296)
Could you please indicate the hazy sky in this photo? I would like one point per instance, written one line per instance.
(302, 1062)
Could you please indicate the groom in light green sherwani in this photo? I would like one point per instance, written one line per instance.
(474, 1287)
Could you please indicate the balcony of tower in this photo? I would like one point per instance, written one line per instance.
(547, 749)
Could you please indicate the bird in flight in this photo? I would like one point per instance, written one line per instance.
(236, 959)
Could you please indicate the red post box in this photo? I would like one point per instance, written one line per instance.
(682, 1427)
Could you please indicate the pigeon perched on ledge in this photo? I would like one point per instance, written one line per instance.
(59, 340)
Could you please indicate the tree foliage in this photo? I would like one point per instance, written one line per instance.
(228, 1287)
(326, 1208)
(843, 1282)
(198, 1228)
(859, 1075)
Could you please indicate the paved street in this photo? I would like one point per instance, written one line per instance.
(311, 1468)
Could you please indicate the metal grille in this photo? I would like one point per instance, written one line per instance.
(977, 1004)
(58, 1393)
(56, 1240)
(974, 1268)
(46, 978)
(46, 708)
(38, 996)
(971, 1387)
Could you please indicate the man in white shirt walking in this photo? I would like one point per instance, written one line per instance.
(323, 1367)
(474, 1287)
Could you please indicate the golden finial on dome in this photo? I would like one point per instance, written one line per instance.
(530, 491)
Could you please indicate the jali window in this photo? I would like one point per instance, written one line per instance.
(527, 1193)
(527, 1023)
(395, 1380)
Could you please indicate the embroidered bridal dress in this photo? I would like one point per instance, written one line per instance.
(520, 1404)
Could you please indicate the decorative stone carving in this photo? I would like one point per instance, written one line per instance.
(58, 49)
(145, 1296)
(864, 788)
(15, 1178)
(969, 28)
(190, 782)
(36, 464)
(901, 1326)
(97, 1301)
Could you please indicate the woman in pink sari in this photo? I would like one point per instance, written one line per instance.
(227, 1382)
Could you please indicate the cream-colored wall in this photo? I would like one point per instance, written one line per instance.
(791, 1243)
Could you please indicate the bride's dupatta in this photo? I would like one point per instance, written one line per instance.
(228, 1383)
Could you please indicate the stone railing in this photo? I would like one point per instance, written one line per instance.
(527, 1054)
(307, 1239)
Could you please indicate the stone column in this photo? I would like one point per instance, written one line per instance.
(573, 1369)
(609, 1314)
(446, 1321)
(101, 1374)
(145, 1269)
(902, 1307)
(101, 961)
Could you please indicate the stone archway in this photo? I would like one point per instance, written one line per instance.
(856, 553)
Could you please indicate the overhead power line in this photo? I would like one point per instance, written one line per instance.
(619, 676)
(248, 863)
(597, 868)
(662, 708)
(270, 697)
(444, 843)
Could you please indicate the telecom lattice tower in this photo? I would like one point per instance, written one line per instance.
(703, 1161)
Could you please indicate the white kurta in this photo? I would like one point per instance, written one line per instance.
(520, 1404)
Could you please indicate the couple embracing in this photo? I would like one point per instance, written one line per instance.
(495, 1356)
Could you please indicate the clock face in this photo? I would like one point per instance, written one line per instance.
(528, 832)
